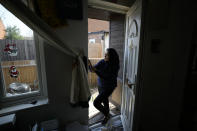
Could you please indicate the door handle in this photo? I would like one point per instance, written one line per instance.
(130, 84)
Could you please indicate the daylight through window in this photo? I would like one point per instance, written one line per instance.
(18, 64)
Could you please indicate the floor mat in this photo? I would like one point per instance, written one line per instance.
(114, 124)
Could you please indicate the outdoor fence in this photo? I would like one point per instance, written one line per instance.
(26, 50)
(92, 77)
(25, 63)
(27, 73)
(95, 50)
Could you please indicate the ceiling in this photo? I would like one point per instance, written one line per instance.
(98, 14)
(103, 9)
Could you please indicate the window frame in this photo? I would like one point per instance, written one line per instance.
(41, 73)
(92, 41)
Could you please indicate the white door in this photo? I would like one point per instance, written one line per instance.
(132, 37)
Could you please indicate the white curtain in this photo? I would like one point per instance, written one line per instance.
(79, 87)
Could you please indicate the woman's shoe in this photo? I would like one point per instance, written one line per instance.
(105, 120)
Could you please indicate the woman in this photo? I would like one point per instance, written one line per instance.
(107, 71)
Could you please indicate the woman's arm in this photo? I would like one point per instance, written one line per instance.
(92, 69)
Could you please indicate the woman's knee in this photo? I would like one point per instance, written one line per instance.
(95, 103)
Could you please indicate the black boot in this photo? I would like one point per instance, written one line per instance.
(105, 120)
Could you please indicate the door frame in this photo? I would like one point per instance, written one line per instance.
(108, 6)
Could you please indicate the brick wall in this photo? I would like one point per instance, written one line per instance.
(97, 25)
(97, 37)
(2, 30)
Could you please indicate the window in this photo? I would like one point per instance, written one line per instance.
(92, 41)
(21, 74)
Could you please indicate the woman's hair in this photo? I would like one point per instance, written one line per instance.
(113, 57)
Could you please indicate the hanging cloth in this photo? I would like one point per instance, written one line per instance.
(79, 88)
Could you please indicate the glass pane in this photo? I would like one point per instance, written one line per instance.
(17, 55)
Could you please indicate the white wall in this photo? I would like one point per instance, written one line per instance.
(58, 70)
(164, 73)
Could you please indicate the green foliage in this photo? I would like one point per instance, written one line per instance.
(13, 33)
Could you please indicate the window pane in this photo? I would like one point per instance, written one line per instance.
(17, 55)
(92, 41)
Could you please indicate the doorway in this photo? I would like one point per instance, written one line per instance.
(124, 37)
(98, 42)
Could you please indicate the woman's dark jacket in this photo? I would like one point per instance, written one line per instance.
(107, 74)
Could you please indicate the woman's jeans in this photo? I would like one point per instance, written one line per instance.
(101, 102)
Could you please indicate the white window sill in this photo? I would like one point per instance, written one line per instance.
(15, 108)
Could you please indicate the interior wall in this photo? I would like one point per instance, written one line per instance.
(117, 37)
(58, 71)
(166, 41)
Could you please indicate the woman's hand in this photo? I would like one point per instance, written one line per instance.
(92, 69)
(89, 63)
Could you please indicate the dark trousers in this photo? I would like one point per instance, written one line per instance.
(101, 102)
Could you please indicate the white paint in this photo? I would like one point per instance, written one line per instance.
(130, 71)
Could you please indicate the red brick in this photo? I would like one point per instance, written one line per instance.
(2, 30)
(97, 25)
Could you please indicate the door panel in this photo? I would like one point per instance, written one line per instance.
(131, 53)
